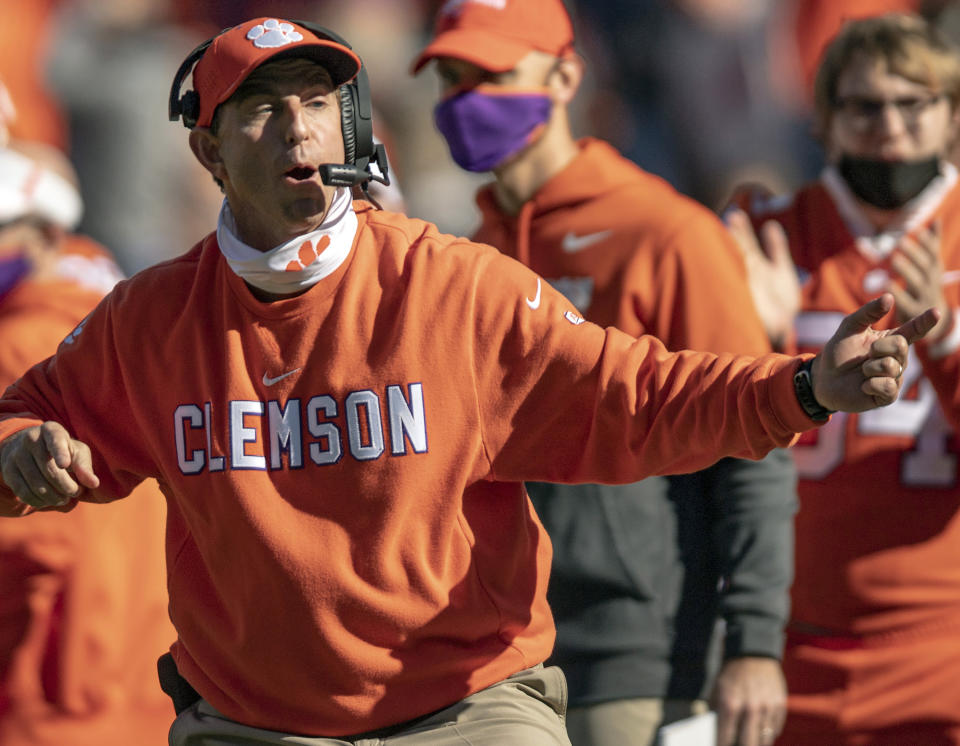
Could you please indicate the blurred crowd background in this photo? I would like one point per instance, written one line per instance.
(706, 93)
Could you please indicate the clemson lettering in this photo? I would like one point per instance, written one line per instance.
(274, 435)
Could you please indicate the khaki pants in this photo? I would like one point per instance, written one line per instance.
(627, 722)
(526, 709)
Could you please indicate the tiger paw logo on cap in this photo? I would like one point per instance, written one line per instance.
(272, 33)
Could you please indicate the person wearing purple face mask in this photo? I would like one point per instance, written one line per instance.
(644, 636)
(486, 123)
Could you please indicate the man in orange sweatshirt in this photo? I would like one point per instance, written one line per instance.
(342, 404)
(83, 614)
(673, 589)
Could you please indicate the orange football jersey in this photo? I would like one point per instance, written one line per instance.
(878, 527)
(349, 541)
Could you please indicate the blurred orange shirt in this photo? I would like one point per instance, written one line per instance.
(83, 602)
(25, 41)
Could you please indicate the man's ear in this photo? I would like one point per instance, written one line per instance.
(206, 148)
(566, 78)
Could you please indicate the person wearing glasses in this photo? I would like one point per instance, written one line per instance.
(873, 650)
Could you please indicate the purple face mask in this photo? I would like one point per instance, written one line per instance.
(12, 270)
(487, 124)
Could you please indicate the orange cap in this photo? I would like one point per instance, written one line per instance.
(496, 34)
(237, 52)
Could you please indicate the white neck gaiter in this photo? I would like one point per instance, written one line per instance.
(297, 264)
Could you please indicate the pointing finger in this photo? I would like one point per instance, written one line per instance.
(919, 326)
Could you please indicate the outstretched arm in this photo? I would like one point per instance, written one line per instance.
(46, 468)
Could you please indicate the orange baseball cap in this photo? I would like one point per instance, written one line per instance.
(496, 34)
(237, 52)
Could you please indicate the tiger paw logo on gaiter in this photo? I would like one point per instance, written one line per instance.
(308, 254)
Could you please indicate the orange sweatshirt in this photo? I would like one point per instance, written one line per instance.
(879, 521)
(83, 602)
(349, 542)
(630, 251)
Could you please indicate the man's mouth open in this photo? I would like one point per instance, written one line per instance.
(300, 173)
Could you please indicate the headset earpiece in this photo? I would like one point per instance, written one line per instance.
(190, 109)
(186, 107)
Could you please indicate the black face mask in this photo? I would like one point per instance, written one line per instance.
(887, 184)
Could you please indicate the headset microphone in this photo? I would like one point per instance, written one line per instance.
(349, 175)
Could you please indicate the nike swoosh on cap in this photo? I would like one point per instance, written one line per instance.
(573, 243)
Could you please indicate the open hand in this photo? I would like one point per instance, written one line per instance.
(860, 368)
(44, 467)
(771, 274)
(919, 267)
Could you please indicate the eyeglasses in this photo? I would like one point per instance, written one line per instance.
(863, 112)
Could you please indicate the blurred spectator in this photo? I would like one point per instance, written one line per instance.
(83, 603)
(872, 652)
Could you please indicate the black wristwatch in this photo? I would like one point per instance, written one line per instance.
(803, 386)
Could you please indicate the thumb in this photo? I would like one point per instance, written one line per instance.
(81, 464)
(866, 315)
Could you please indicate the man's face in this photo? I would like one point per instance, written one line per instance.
(271, 136)
(884, 116)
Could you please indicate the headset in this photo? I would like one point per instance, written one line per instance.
(356, 119)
